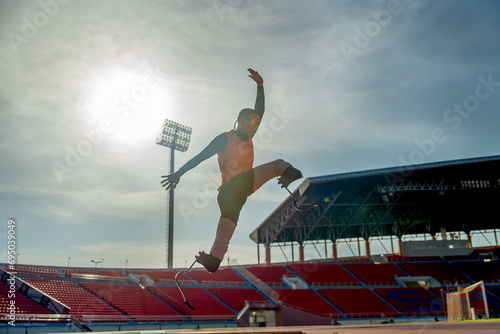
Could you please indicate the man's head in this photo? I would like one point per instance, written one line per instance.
(248, 122)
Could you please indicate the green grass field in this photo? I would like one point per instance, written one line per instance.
(484, 320)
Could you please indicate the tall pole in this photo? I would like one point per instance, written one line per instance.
(170, 227)
(176, 137)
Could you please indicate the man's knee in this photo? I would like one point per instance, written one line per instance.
(232, 217)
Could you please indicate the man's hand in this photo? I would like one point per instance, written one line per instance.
(256, 77)
(170, 180)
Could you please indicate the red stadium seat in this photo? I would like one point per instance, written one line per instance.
(133, 300)
(359, 303)
(375, 273)
(270, 275)
(81, 302)
(23, 304)
(236, 297)
(223, 275)
(308, 300)
(440, 270)
(413, 301)
(324, 274)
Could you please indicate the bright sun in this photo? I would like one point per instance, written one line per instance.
(132, 103)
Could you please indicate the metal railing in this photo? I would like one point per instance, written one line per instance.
(261, 286)
(335, 284)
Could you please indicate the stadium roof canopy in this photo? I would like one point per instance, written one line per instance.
(459, 195)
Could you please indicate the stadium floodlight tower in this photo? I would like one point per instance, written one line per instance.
(176, 137)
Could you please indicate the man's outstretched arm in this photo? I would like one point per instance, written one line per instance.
(218, 144)
(260, 100)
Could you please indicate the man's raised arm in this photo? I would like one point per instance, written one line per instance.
(260, 100)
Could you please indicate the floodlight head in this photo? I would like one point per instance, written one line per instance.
(174, 135)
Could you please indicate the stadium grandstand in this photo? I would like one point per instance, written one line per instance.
(407, 284)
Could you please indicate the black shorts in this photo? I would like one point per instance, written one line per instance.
(233, 195)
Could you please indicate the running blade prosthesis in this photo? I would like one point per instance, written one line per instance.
(325, 202)
(179, 287)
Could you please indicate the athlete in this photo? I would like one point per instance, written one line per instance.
(239, 178)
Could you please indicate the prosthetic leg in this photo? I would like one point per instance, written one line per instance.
(179, 287)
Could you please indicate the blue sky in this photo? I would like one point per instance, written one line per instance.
(350, 86)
